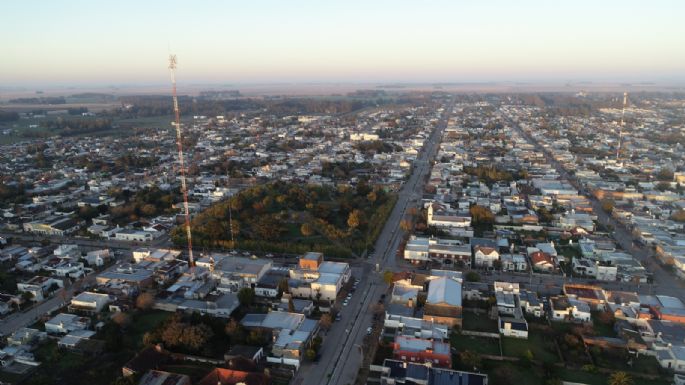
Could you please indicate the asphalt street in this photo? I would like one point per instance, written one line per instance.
(341, 354)
(664, 282)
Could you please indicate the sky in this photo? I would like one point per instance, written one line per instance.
(64, 42)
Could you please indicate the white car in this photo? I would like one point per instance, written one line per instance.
(368, 331)
(345, 303)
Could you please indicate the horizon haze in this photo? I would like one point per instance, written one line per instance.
(72, 43)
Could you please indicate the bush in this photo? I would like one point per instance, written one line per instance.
(472, 276)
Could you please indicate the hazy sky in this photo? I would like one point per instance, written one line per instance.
(127, 42)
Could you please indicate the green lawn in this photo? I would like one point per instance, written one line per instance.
(59, 366)
(479, 345)
(144, 322)
(580, 376)
(602, 329)
(542, 347)
(510, 373)
(620, 361)
(479, 323)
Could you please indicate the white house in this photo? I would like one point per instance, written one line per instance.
(89, 302)
(64, 323)
(485, 256)
(39, 286)
(97, 257)
(132, 235)
(513, 327)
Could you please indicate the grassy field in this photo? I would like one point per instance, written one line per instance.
(479, 345)
(510, 373)
(62, 367)
(541, 347)
(144, 322)
(601, 378)
(479, 323)
(600, 328)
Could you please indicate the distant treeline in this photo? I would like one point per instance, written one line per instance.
(68, 127)
(152, 105)
(77, 111)
(9, 116)
(565, 104)
(220, 94)
(91, 97)
(40, 100)
(149, 106)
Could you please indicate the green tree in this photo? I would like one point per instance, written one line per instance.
(470, 359)
(246, 296)
(128, 380)
(355, 219)
(679, 216)
(472, 276)
(311, 354)
(306, 229)
(620, 378)
(326, 321)
(481, 215)
(608, 205)
(388, 277)
(665, 174)
(26, 296)
(145, 301)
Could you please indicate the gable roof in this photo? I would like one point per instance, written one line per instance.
(221, 376)
(444, 290)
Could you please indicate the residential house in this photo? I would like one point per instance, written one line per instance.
(485, 257)
(64, 323)
(89, 302)
(444, 302)
(400, 372)
(542, 261)
(410, 349)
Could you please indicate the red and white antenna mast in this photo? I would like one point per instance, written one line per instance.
(179, 144)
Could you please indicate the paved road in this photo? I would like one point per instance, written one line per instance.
(341, 355)
(88, 243)
(665, 282)
(15, 321)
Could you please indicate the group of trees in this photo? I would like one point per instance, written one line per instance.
(489, 174)
(292, 218)
(12, 193)
(181, 334)
(377, 147)
(75, 126)
(39, 100)
(343, 170)
(209, 105)
(148, 202)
